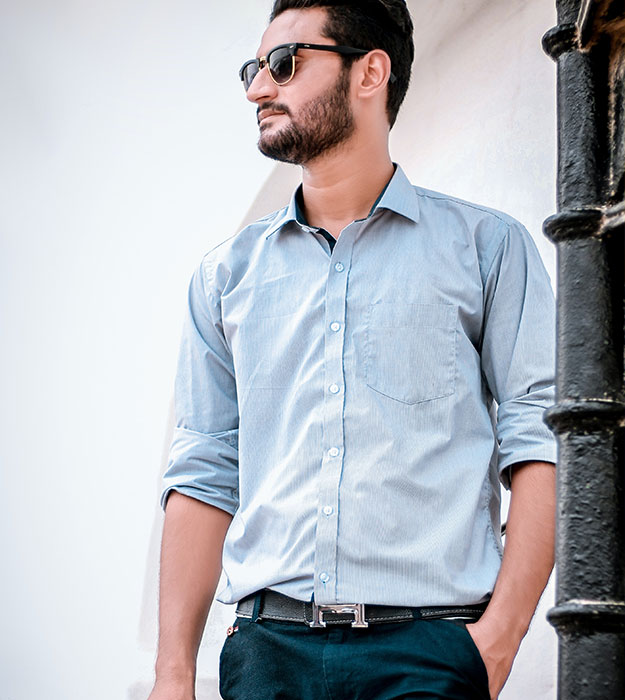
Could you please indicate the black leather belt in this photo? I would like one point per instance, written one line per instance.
(269, 605)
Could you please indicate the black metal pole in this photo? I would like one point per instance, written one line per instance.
(589, 417)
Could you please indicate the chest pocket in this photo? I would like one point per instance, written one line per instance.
(410, 351)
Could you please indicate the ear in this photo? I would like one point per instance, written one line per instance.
(372, 73)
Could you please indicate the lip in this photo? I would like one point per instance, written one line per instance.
(266, 114)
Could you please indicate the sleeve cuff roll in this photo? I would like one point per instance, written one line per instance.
(205, 467)
(522, 433)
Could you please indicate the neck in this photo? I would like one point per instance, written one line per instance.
(343, 185)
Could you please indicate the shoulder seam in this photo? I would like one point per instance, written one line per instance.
(462, 202)
(498, 248)
(262, 219)
(214, 248)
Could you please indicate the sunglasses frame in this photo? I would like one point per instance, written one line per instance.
(263, 61)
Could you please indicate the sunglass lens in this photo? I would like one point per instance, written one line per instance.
(249, 73)
(281, 64)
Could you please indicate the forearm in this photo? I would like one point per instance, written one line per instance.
(193, 537)
(527, 563)
(529, 551)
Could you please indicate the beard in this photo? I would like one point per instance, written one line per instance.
(321, 125)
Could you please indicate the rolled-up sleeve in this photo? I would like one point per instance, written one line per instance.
(518, 349)
(203, 459)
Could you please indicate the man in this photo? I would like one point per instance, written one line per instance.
(335, 401)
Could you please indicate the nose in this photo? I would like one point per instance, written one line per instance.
(262, 89)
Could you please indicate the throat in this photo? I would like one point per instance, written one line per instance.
(336, 204)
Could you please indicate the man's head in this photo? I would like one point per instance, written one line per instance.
(367, 24)
(310, 93)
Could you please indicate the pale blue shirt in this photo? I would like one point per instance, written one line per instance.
(356, 410)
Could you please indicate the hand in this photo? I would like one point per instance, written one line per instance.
(172, 690)
(497, 647)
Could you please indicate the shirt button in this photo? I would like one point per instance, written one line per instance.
(334, 452)
(323, 577)
(328, 510)
(336, 327)
(339, 267)
(334, 388)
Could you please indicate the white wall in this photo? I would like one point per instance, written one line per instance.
(126, 151)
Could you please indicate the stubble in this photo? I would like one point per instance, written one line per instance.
(321, 125)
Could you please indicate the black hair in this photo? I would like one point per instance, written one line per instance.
(368, 24)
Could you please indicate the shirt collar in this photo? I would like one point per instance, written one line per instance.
(284, 216)
(399, 196)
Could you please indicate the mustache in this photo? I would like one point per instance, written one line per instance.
(274, 107)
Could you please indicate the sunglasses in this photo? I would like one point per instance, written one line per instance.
(280, 62)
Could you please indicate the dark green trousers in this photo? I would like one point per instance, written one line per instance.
(422, 659)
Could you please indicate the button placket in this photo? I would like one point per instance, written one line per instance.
(333, 410)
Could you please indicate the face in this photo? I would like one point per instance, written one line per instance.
(312, 114)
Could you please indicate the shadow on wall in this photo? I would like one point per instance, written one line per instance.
(273, 195)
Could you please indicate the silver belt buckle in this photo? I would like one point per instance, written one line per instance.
(357, 609)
